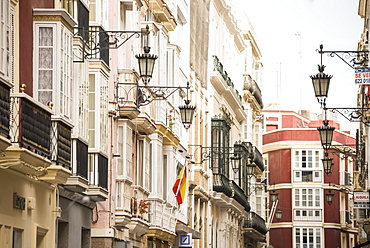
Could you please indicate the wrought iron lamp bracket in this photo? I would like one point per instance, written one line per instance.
(95, 39)
(348, 150)
(354, 59)
(352, 114)
(146, 94)
(254, 188)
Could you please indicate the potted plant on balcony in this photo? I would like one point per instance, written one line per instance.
(143, 207)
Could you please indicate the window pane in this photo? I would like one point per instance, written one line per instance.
(46, 36)
(297, 236)
(317, 159)
(45, 97)
(306, 176)
(304, 159)
(296, 157)
(46, 58)
(309, 159)
(45, 79)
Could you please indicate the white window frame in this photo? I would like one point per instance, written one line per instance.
(92, 166)
(92, 111)
(120, 194)
(124, 151)
(298, 176)
(61, 67)
(53, 67)
(66, 70)
(307, 214)
(307, 204)
(98, 12)
(257, 128)
(307, 198)
(103, 114)
(304, 236)
(98, 112)
(313, 160)
(306, 161)
(143, 162)
(6, 43)
(81, 112)
(147, 162)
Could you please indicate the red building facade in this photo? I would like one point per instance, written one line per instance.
(292, 152)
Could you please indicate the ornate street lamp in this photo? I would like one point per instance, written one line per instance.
(279, 214)
(321, 81)
(235, 162)
(146, 66)
(274, 196)
(146, 60)
(327, 164)
(329, 197)
(250, 169)
(326, 134)
(187, 111)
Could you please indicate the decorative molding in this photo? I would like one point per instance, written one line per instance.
(54, 15)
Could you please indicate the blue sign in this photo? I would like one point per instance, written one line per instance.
(185, 240)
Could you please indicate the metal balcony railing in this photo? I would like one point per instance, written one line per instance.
(220, 68)
(103, 171)
(4, 110)
(61, 143)
(251, 85)
(256, 222)
(30, 124)
(98, 38)
(98, 176)
(81, 158)
(221, 184)
(257, 158)
(240, 196)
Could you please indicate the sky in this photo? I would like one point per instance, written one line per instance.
(288, 33)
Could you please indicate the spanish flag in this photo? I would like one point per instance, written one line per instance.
(179, 188)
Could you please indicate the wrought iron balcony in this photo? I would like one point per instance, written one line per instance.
(61, 143)
(98, 177)
(99, 41)
(240, 196)
(103, 171)
(81, 158)
(221, 184)
(251, 85)
(257, 159)
(220, 69)
(255, 222)
(78, 182)
(4, 116)
(30, 124)
(35, 143)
